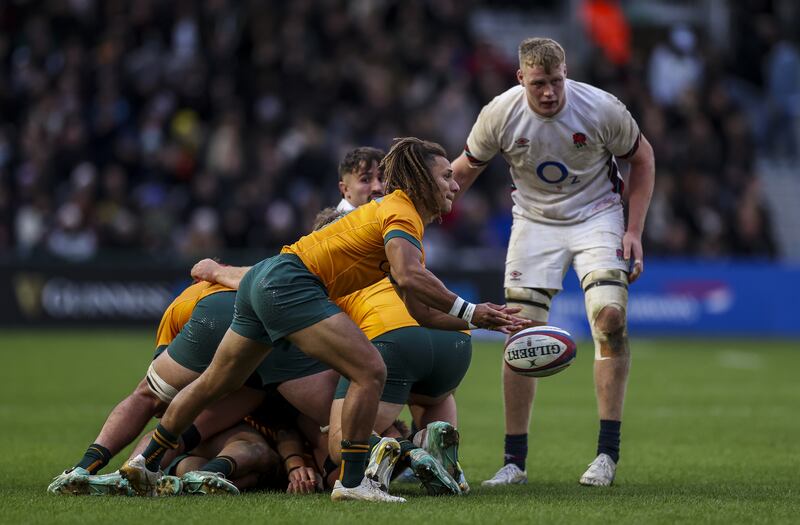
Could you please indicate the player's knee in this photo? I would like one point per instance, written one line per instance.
(606, 295)
(261, 453)
(610, 321)
(371, 372)
(156, 389)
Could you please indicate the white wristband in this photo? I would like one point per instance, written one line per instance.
(456, 308)
(468, 311)
(463, 310)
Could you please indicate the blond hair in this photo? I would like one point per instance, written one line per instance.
(543, 52)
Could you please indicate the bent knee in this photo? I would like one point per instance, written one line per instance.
(610, 321)
(371, 372)
(146, 397)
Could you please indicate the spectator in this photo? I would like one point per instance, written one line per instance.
(152, 126)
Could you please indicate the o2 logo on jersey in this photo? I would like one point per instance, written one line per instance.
(553, 172)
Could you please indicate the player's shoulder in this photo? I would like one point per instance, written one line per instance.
(590, 99)
(506, 103)
(393, 199)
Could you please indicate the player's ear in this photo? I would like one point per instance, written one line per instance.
(520, 78)
(342, 187)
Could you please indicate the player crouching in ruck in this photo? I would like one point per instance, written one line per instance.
(290, 296)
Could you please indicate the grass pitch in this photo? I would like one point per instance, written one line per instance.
(710, 435)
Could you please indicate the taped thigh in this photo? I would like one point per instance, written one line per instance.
(604, 288)
(162, 390)
(535, 302)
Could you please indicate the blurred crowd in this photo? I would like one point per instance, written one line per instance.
(199, 127)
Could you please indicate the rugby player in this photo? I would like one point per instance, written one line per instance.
(189, 332)
(290, 296)
(266, 451)
(423, 366)
(561, 139)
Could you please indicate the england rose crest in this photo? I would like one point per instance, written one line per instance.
(579, 139)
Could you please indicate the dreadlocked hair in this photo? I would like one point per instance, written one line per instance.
(407, 167)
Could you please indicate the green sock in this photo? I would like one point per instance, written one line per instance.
(354, 461)
(161, 441)
(403, 462)
(372, 441)
(225, 465)
(95, 458)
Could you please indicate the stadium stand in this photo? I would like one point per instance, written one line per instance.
(201, 127)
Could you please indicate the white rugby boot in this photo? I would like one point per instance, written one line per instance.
(368, 490)
(71, 481)
(382, 460)
(207, 483)
(600, 473)
(141, 480)
(79, 482)
(508, 475)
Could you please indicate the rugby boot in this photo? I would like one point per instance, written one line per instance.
(141, 480)
(84, 484)
(436, 480)
(169, 486)
(382, 460)
(368, 490)
(508, 475)
(71, 481)
(441, 440)
(201, 482)
(406, 476)
(601, 472)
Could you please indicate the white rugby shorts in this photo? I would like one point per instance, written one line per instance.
(539, 255)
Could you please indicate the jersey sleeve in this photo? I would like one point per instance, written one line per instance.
(621, 130)
(483, 142)
(398, 218)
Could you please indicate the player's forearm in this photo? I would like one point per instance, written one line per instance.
(426, 288)
(465, 174)
(640, 183)
(290, 448)
(230, 276)
(431, 318)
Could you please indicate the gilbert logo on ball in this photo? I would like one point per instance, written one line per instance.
(539, 351)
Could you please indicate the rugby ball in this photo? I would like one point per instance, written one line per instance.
(539, 351)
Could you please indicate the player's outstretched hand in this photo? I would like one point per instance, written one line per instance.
(498, 317)
(302, 480)
(206, 270)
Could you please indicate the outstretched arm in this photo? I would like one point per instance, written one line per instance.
(640, 183)
(214, 272)
(413, 279)
(429, 317)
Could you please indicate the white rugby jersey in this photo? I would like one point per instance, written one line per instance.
(563, 167)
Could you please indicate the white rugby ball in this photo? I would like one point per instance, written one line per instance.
(539, 351)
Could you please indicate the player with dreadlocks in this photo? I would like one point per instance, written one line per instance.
(290, 296)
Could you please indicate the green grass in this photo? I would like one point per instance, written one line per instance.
(711, 435)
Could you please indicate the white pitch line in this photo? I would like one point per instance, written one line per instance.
(740, 360)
